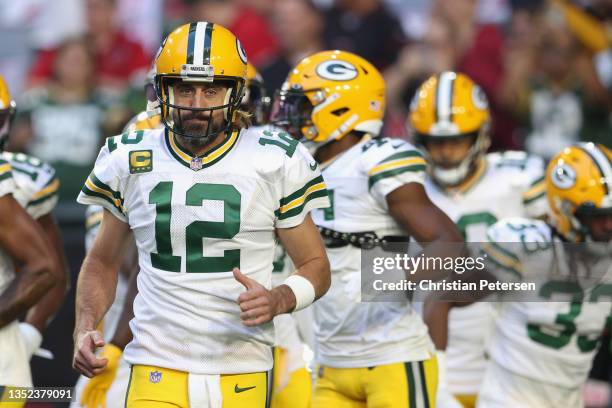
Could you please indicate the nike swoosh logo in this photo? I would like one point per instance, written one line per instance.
(238, 390)
(313, 166)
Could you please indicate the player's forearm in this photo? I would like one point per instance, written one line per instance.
(33, 280)
(95, 292)
(435, 316)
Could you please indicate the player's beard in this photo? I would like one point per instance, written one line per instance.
(195, 125)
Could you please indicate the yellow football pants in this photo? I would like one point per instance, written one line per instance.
(5, 397)
(294, 391)
(156, 387)
(467, 400)
(399, 385)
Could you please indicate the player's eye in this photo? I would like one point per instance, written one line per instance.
(211, 92)
(185, 90)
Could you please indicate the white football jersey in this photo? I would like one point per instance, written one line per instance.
(350, 333)
(34, 186)
(194, 219)
(509, 184)
(551, 340)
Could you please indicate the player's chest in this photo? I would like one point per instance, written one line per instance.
(476, 209)
(183, 197)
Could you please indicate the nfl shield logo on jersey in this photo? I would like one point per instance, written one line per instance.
(196, 163)
(155, 377)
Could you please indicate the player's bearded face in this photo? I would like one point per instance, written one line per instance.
(197, 120)
(448, 153)
(599, 226)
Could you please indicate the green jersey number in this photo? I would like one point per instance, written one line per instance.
(164, 259)
(566, 321)
(472, 221)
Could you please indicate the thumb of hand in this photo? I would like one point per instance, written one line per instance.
(243, 279)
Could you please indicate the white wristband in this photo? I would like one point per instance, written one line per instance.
(302, 289)
(32, 338)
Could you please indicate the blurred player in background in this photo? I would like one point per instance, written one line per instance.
(378, 353)
(542, 352)
(450, 122)
(32, 262)
(199, 337)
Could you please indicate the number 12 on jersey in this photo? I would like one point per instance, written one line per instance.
(164, 259)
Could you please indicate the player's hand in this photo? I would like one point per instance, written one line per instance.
(258, 304)
(84, 359)
(94, 392)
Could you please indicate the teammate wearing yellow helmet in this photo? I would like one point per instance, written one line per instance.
(28, 194)
(204, 197)
(370, 353)
(542, 352)
(450, 119)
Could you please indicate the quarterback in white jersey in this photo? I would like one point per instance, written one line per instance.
(474, 189)
(542, 351)
(28, 185)
(374, 353)
(204, 197)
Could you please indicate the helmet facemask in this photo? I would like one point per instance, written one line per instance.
(293, 112)
(256, 101)
(6, 118)
(174, 116)
(451, 175)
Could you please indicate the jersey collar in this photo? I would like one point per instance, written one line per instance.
(211, 157)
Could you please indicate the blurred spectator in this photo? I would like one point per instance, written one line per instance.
(416, 62)
(298, 25)
(552, 86)
(119, 61)
(62, 123)
(251, 28)
(479, 52)
(145, 18)
(366, 28)
(413, 15)
(29, 25)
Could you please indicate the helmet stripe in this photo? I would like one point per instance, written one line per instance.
(444, 96)
(198, 48)
(208, 43)
(191, 42)
(601, 162)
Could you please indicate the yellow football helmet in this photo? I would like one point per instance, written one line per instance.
(255, 100)
(579, 182)
(200, 52)
(329, 94)
(7, 111)
(447, 106)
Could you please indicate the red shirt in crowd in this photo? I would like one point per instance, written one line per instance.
(117, 64)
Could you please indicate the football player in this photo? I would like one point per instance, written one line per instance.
(450, 121)
(204, 197)
(541, 352)
(376, 354)
(107, 388)
(32, 275)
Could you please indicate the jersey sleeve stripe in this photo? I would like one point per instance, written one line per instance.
(395, 172)
(295, 210)
(500, 258)
(49, 190)
(5, 176)
(93, 220)
(301, 192)
(401, 155)
(538, 190)
(103, 186)
(92, 191)
(394, 164)
(5, 168)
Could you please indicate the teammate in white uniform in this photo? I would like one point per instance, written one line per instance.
(30, 186)
(204, 198)
(375, 353)
(450, 121)
(542, 351)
